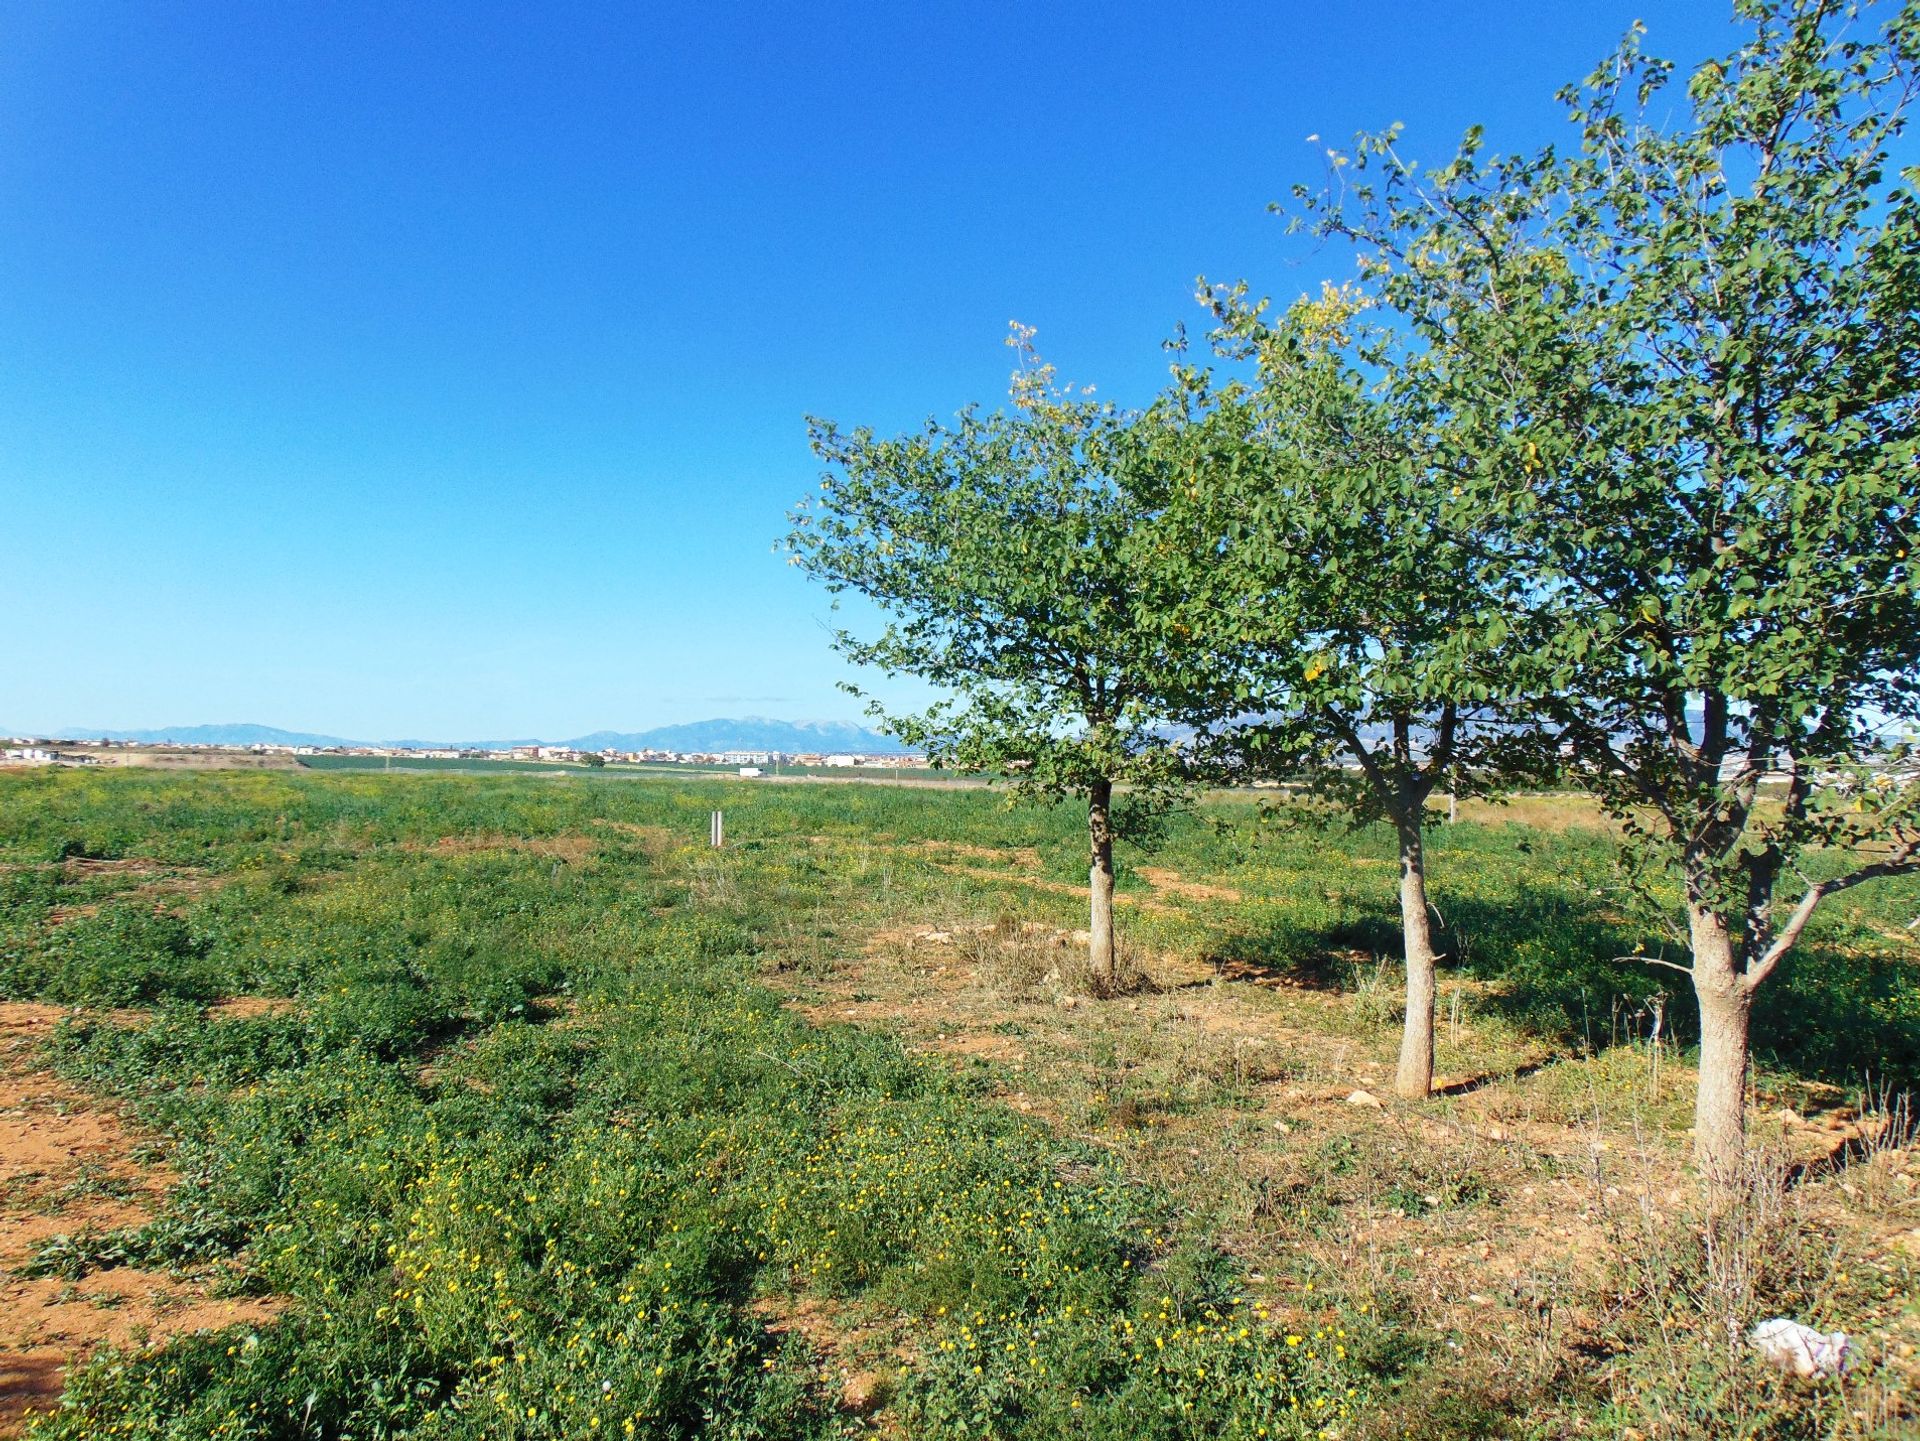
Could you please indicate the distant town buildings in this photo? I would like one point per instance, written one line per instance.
(746, 764)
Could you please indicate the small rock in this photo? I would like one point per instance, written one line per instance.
(1283, 1128)
(1364, 1098)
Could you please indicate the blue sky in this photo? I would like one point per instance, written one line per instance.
(440, 369)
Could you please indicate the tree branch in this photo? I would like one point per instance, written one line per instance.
(1904, 862)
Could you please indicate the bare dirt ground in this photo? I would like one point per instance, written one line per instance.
(1514, 1211)
(67, 1164)
(1162, 879)
(144, 879)
(857, 1355)
(570, 848)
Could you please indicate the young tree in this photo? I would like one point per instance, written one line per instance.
(1333, 570)
(1701, 338)
(1005, 553)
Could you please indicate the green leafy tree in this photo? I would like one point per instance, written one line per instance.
(1699, 332)
(1005, 553)
(1332, 573)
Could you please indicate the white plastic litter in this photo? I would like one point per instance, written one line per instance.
(1802, 1351)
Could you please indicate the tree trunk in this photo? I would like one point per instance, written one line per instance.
(1415, 1078)
(1720, 1107)
(1100, 947)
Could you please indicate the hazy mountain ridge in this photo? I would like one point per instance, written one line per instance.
(233, 734)
(743, 733)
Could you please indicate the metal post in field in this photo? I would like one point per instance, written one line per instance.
(717, 831)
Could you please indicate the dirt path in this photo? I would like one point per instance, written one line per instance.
(66, 1164)
(1162, 879)
(1501, 1214)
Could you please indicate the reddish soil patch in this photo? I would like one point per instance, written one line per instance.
(78, 867)
(66, 1166)
(1011, 878)
(247, 1008)
(1026, 857)
(1162, 879)
(560, 848)
(153, 880)
(656, 841)
(855, 1357)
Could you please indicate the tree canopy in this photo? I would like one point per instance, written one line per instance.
(1694, 340)
(1007, 554)
(1615, 444)
(1337, 581)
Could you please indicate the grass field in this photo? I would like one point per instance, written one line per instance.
(443, 764)
(345, 1105)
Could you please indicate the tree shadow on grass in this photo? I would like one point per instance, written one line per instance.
(1559, 965)
(1487, 1078)
(1841, 1017)
(1563, 968)
(1285, 953)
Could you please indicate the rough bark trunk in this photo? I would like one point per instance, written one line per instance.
(1720, 1107)
(1415, 1078)
(1101, 962)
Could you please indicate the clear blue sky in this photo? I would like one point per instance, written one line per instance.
(439, 369)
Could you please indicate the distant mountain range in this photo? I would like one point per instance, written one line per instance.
(210, 735)
(755, 733)
(743, 733)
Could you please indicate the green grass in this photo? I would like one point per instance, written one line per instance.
(533, 1143)
(535, 1152)
(445, 764)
